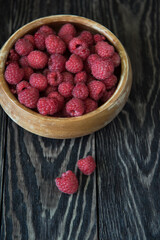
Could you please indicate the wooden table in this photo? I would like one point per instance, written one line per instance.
(121, 200)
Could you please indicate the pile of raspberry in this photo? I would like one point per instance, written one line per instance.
(67, 74)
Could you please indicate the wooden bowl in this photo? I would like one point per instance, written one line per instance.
(53, 127)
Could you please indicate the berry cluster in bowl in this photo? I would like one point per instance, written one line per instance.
(63, 74)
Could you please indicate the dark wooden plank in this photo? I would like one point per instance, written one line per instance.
(127, 150)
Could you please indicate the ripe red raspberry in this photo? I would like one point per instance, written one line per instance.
(66, 29)
(46, 30)
(38, 81)
(102, 68)
(30, 38)
(13, 73)
(91, 59)
(87, 37)
(74, 64)
(23, 61)
(96, 89)
(37, 59)
(86, 165)
(67, 183)
(47, 106)
(97, 38)
(80, 91)
(67, 38)
(39, 39)
(75, 107)
(54, 78)
(80, 77)
(107, 95)
(116, 59)
(27, 72)
(104, 49)
(55, 44)
(13, 55)
(65, 89)
(59, 98)
(21, 86)
(110, 82)
(68, 77)
(56, 62)
(23, 47)
(79, 47)
(90, 105)
(49, 89)
(82, 52)
(29, 97)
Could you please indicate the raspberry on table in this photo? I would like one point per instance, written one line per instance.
(37, 59)
(54, 78)
(47, 106)
(39, 39)
(67, 28)
(87, 37)
(110, 82)
(38, 81)
(59, 98)
(23, 47)
(80, 91)
(23, 61)
(21, 86)
(74, 64)
(116, 59)
(13, 73)
(13, 55)
(29, 97)
(75, 107)
(96, 89)
(30, 38)
(68, 77)
(80, 77)
(56, 62)
(102, 68)
(107, 95)
(27, 72)
(67, 183)
(90, 105)
(104, 49)
(98, 37)
(65, 89)
(55, 44)
(86, 165)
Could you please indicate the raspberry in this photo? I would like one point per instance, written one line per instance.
(56, 62)
(102, 68)
(107, 95)
(66, 29)
(39, 39)
(90, 105)
(104, 49)
(55, 44)
(75, 107)
(54, 78)
(13, 73)
(23, 47)
(65, 89)
(38, 81)
(23, 61)
(13, 55)
(46, 30)
(49, 89)
(91, 59)
(30, 38)
(21, 86)
(86, 165)
(74, 64)
(96, 89)
(68, 77)
(37, 59)
(80, 77)
(116, 59)
(59, 98)
(110, 82)
(67, 183)
(67, 38)
(47, 106)
(80, 91)
(82, 52)
(97, 38)
(27, 72)
(87, 37)
(29, 97)
(79, 47)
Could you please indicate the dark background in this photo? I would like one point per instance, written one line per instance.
(121, 200)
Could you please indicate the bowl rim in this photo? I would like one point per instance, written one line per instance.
(75, 19)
